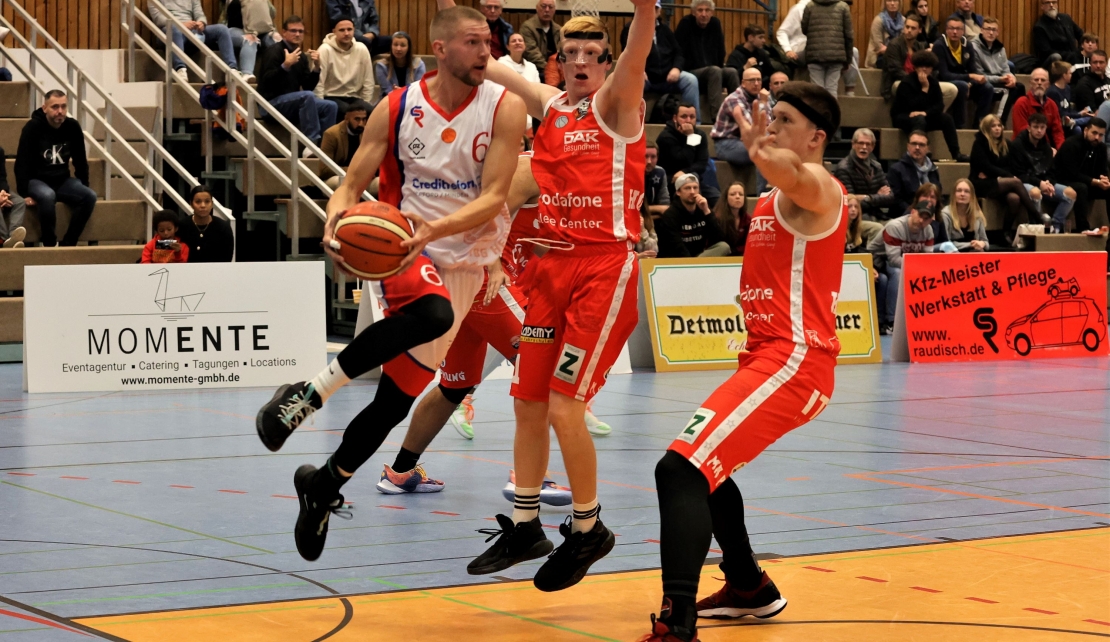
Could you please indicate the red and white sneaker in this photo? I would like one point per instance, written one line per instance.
(762, 602)
(662, 633)
(551, 493)
(413, 481)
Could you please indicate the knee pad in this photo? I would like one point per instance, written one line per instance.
(455, 395)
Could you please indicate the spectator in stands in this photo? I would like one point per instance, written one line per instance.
(12, 209)
(751, 53)
(542, 36)
(50, 141)
(341, 140)
(165, 247)
(965, 13)
(778, 81)
(251, 23)
(913, 170)
(860, 231)
(515, 59)
(1087, 47)
(400, 68)
(992, 174)
(702, 39)
(1094, 88)
(1104, 113)
(930, 193)
(793, 43)
(1055, 35)
(862, 174)
(886, 26)
(992, 62)
(664, 73)
(1059, 91)
(210, 239)
(685, 150)
(964, 220)
(657, 195)
(191, 15)
(1082, 163)
(929, 30)
(738, 104)
(897, 58)
(688, 227)
(958, 66)
(732, 218)
(827, 25)
(346, 72)
(499, 28)
(919, 104)
(908, 234)
(365, 14)
(648, 247)
(1036, 101)
(289, 75)
(1033, 155)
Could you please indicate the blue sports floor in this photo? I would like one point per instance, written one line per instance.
(127, 503)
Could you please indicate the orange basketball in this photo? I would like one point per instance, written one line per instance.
(370, 236)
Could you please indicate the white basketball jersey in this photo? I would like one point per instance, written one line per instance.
(434, 167)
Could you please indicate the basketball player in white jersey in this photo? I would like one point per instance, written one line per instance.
(446, 147)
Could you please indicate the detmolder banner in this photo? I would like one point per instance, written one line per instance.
(1014, 305)
(159, 326)
(697, 321)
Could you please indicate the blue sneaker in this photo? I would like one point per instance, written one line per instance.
(551, 493)
(413, 481)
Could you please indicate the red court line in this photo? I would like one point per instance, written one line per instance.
(1040, 611)
(233, 492)
(817, 568)
(393, 507)
(927, 590)
(986, 465)
(179, 486)
(443, 512)
(72, 477)
(871, 579)
(979, 599)
(39, 620)
(1098, 622)
(23, 474)
(284, 496)
(124, 481)
(797, 478)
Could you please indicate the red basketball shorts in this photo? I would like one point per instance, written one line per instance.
(581, 310)
(776, 389)
(497, 324)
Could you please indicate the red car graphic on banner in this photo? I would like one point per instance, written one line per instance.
(1064, 321)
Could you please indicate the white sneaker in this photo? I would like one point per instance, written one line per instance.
(182, 73)
(307, 153)
(4, 31)
(596, 426)
(246, 77)
(16, 238)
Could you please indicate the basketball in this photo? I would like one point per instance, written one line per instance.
(370, 236)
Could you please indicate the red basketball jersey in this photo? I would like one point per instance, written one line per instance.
(591, 179)
(790, 282)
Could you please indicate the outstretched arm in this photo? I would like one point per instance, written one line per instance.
(623, 91)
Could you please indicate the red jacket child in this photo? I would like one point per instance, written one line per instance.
(165, 247)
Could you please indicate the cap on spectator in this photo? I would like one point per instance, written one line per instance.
(684, 179)
(924, 208)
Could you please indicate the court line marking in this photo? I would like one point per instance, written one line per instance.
(909, 622)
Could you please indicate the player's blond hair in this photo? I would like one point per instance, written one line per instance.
(585, 24)
(446, 23)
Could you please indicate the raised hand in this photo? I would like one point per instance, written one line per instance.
(291, 58)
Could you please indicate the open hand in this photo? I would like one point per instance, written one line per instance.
(754, 134)
(291, 58)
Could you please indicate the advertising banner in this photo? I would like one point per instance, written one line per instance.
(1020, 305)
(158, 326)
(696, 312)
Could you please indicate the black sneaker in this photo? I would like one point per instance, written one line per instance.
(517, 543)
(312, 522)
(292, 404)
(569, 563)
(762, 602)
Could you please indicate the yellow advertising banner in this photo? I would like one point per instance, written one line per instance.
(696, 313)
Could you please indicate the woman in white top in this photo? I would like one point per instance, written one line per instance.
(964, 220)
(515, 59)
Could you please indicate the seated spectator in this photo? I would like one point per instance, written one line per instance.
(965, 13)
(663, 73)
(702, 39)
(49, 142)
(346, 73)
(191, 15)
(165, 247)
(679, 154)
(751, 53)
(1032, 163)
(930, 194)
(860, 232)
(400, 68)
(251, 23)
(657, 195)
(1087, 47)
(341, 140)
(688, 227)
(778, 81)
(964, 220)
(209, 239)
(1081, 163)
(910, 172)
(542, 35)
(738, 104)
(897, 58)
(289, 75)
(648, 247)
(1055, 35)
(908, 234)
(12, 209)
(886, 26)
(957, 65)
(827, 25)
(930, 29)
(1094, 88)
(732, 218)
(1037, 102)
(992, 62)
(1059, 91)
(515, 59)
(919, 104)
(499, 28)
(992, 174)
(365, 15)
(862, 175)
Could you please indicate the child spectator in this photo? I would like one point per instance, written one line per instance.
(165, 247)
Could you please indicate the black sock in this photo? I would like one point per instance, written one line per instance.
(367, 431)
(685, 530)
(419, 322)
(406, 460)
(726, 505)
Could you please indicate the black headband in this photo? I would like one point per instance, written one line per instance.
(817, 119)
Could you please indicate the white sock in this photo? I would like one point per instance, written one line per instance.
(585, 516)
(330, 380)
(526, 504)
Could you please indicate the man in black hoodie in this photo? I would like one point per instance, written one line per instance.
(288, 74)
(688, 227)
(665, 63)
(1055, 35)
(1083, 161)
(50, 140)
(685, 150)
(702, 39)
(1094, 88)
(1032, 163)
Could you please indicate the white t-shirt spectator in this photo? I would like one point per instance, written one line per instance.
(526, 68)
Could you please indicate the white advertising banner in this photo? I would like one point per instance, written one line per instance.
(158, 326)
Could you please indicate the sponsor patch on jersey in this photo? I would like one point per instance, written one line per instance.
(417, 114)
(448, 135)
(561, 121)
(697, 423)
(537, 334)
(569, 363)
(416, 146)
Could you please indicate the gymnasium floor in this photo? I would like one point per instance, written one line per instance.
(927, 502)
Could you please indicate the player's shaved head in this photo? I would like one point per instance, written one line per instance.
(446, 23)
